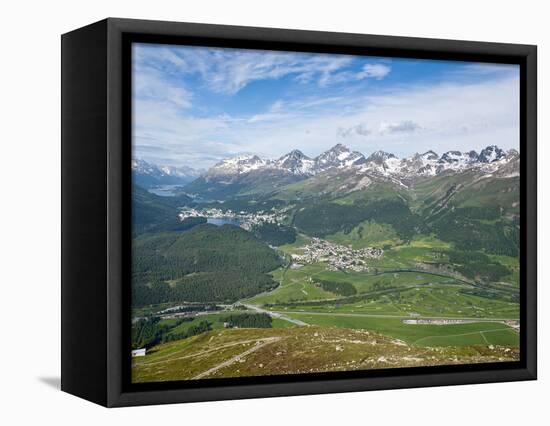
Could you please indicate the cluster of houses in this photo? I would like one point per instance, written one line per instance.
(244, 219)
(337, 257)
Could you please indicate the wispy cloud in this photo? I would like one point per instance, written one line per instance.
(404, 126)
(149, 84)
(487, 70)
(359, 129)
(228, 71)
(375, 71)
(383, 128)
(444, 117)
(328, 101)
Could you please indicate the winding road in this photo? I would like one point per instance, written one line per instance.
(273, 314)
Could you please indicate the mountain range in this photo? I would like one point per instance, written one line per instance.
(148, 175)
(340, 156)
(244, 175)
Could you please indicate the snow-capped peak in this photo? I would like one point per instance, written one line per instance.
(142, 166)
(296, 162)
(153, 174)
(380, 157)
(457, 159)
(490, 154)
(430, 155)
(380, 162)
(292, 157)
(338, 156)
(239, 165)
(430, 164)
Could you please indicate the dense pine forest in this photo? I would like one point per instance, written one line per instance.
(205, 264)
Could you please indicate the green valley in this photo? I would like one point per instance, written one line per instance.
(360, 269)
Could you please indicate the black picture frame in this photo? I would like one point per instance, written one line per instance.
(96, 211)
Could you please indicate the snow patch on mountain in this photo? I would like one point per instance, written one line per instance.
(338, 156)
(239, 165)
(490, 154)
(296, 162)
(152, 174)
(379, 163)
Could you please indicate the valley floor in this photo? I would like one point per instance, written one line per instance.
(393, 318)
(371, 295)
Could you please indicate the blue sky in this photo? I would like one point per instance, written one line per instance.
(194, 106)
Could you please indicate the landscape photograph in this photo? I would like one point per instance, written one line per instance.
(303, 213)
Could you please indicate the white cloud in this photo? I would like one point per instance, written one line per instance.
(377, 71)
(410, 119)
(405, 121)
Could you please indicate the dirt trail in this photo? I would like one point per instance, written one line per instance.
(259, 344)
(167, 358)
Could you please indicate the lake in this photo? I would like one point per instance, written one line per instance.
(164, 190)
(219, 221)
(172, 190)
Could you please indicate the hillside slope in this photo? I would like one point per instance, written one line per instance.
(277, 351)
(207, 263)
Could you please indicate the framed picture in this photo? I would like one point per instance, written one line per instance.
(253, 212)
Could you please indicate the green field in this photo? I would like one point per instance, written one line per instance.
(437, 301)
(367, 234)
(395, 293)
(216, 321)
(482, 333)
(294, 285)
(295, 247)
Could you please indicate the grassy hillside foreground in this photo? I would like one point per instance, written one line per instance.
(276, 351)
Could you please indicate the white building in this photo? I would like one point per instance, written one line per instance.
(138, 352)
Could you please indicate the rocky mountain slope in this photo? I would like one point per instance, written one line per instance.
(245, 175)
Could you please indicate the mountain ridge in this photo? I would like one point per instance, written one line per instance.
(147, 174)
(251, 174)
(340, 156)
